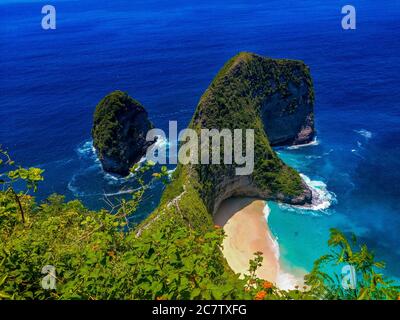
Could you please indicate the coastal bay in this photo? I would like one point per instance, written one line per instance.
(244, 221)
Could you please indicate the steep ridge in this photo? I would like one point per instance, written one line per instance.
(242, 96)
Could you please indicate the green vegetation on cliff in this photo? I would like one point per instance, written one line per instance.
(107, 132)
(234, 100)
(120, 126)
(96, 258)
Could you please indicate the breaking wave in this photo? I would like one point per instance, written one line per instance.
(365, 133)
(322, 198)
(285, 280)
(315, 142)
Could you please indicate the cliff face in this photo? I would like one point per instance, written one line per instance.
(250, 92)
(273, 97)
(119, 132)
(287, 107)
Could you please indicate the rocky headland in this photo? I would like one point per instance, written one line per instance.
(247, 93)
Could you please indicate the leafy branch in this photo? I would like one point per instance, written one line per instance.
(12, 175)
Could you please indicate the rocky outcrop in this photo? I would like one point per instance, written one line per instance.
(119, 132)
(273, 97)
(243, 186)
(287, 110)
(240, 97)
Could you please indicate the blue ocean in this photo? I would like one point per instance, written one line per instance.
(165, 54)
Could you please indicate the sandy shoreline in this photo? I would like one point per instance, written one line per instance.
(247, 231)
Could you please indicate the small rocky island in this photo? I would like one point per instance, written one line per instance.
(119, 132)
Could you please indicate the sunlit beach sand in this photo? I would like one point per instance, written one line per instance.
(245, 224)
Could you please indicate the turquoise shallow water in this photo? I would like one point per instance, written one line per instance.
(303, 233)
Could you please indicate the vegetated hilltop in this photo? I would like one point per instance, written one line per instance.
(250, 92)
(119, 132)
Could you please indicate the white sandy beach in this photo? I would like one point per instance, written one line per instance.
(245, 224)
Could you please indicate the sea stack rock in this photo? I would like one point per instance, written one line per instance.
(119, 132)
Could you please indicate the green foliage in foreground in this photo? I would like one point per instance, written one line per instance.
(371, 283)
(97, 257)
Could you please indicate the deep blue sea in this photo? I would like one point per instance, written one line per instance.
(165, 54)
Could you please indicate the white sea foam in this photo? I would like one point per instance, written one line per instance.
(121, 192)
(114, 179)
(285, 280)
(266, 212)
(365, 133)
(86, 148)
(160, 143)
(87, 151)
(322, 199)
(356, 153)
(90, 162)
(313, 157)
(328, 153)
(315, 142)
(111, 177)
(72, 188)
(288, 281)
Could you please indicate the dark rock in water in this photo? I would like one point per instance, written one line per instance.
(119, 132)
(287, 102)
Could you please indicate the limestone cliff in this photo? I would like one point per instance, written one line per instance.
(247, 94)
(287, 101)
(250, 92)
(119, 132)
